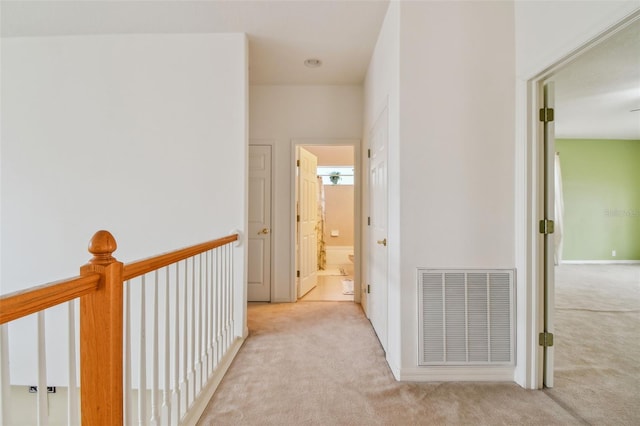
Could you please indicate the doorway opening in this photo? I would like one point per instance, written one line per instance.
(591, 183)
(326, 227)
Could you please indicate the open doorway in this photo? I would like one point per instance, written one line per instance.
(593, 262)
(326, 232)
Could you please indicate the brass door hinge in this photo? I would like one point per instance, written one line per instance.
(546, 115)
(298, 274)
(368, 153)
(368, 288)
(369, 220)
(298, 163)
(546, 226)
(545, 339)
(298, 218)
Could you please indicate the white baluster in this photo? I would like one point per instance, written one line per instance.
(5, 386)
(220, 304)
(227, 299)
(175, 400)
(127, 394)
(154, 354)
(223, 302)
(73, 399)
(43, 400)
(166, 400)
(192, 346)
(205, 319)
(184, 384)
(198, 350)
(212, 315)
(232, 297)
(216, 318)
(142, 371)
(207, 322)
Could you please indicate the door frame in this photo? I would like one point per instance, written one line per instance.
(529, 205)
(357, 208)
(271, 144)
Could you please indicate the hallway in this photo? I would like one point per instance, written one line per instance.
(319, 363)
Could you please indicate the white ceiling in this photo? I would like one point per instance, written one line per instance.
(597, 91)
(594, 93)
(282, 34)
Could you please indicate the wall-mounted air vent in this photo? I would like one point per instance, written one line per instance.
(466, 317)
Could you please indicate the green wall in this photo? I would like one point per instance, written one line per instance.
(601, 184)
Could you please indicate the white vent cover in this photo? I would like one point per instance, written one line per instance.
(466, 317)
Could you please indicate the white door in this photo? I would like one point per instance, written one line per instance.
(377, 241)
(548, 152)
(259, 256)
(307, 221)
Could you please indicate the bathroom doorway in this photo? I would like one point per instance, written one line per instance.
(333, 210)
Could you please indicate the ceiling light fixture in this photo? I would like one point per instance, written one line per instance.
(313, 63)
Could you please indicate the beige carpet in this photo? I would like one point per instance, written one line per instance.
(597, 343)
(319, 363)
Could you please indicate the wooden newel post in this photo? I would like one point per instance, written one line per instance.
(101, 337)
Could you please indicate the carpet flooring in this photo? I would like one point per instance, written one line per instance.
(313, 363)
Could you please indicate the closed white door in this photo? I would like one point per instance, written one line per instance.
(377, 241)
(307, 221)
(259, 260)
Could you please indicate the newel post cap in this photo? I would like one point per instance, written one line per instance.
(102, 246)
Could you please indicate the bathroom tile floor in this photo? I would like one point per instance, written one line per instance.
(329, 288)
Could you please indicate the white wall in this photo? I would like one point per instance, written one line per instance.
(547, 31)
(446, 70)
(279, 114)
(142, 135)
(381, 90)
(456, 143)
(454, 134)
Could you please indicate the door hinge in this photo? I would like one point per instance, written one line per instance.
(545, 339)
(297, 274)
(297, 163)
(369, 220)
(368, 153)
(297, 218)
(546, 226)
(368, 288)
(546, 115)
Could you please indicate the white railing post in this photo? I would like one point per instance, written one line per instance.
(184, 385)
(155, 356)
(175, 395)
(128, 409)
(73, 399)
(142, 359)
(43, 400)
(166, 397)
(5, 385)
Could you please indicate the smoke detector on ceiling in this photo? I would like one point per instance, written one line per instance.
(313, 63)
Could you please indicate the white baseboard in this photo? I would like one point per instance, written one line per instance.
(202, 400)
(600, 262)
(458, 374)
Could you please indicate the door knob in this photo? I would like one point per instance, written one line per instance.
(264, 231)
(382, 242)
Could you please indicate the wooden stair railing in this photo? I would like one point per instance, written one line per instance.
(100, 289)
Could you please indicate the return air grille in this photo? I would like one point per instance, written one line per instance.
(466, 317)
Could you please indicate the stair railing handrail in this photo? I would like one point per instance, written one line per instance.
(26, 302)
(100, 289)
(141, 267)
